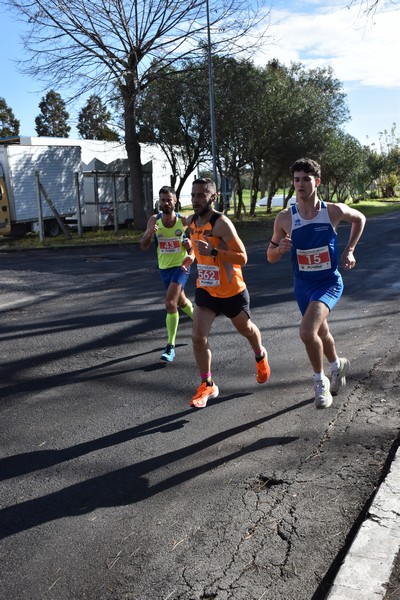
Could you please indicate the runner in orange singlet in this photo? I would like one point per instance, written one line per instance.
(220, 287)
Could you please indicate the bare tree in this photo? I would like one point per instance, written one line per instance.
(369, 7)
(116, 47)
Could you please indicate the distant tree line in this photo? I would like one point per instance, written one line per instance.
(265, 118)
(52, 121)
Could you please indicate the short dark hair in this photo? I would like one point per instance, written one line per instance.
(167, 189)
(308, 165)
(210, 183)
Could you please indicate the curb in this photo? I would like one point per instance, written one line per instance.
(366, 570)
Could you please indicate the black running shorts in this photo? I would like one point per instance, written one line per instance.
(230, 307)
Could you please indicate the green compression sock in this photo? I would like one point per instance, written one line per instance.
(188, 308)
(172, 321)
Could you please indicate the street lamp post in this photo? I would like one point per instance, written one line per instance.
(211, 93)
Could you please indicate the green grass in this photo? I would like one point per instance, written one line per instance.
(89, 238)
(375, 208)
(251, 229)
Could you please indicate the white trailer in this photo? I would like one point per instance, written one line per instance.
(38, 183)
(106, 182)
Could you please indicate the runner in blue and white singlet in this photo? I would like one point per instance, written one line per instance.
(314, 256)
(308, 232)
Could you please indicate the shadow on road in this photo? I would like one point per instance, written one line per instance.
(122, 486)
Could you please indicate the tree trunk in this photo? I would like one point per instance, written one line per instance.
(132, 146)
(239, 191)
(254, 189)
(272, 189)
(287, 198)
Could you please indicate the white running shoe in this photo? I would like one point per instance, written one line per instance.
(323, 397)
(338, 377)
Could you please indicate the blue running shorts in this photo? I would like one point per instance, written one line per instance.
(328, 292)
(174, 275)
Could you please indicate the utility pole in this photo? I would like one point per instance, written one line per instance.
(211, 93)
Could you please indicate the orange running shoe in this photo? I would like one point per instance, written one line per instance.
(263, 369)
(204, 393)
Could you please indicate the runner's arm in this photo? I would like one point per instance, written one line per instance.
(235, 252)
(280, 242)
(187, 243)
(357, 220)
(190, 258)
(147, 237)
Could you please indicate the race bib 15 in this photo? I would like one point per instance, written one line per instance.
(315, 259)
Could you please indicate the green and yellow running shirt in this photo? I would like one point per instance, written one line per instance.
(170, 252)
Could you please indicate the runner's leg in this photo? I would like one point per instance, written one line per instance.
(312, 323)
(203, 319)
(249, 330)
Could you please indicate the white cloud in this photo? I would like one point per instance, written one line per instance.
(358, 50)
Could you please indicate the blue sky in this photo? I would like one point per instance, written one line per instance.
(364, 54)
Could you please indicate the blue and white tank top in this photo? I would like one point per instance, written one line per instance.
(314, 253)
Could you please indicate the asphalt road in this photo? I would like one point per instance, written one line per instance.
(114, 489)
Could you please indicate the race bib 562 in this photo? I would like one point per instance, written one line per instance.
(208, 275)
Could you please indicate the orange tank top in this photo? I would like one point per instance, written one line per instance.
(218, 278)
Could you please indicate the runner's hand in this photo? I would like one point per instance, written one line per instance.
(204, 247)
(348, 260)
(187, 261)
(285, 245)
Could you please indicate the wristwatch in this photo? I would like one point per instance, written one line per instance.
(214, 252)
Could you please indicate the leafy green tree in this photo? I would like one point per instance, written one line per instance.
(349, 169)
(274, 137)
(375, 165)
(53, 118)
(265, 118)
(173, 112)
(343, 164)
(390, 151)
(9, 125)
(268, 117)
(300, 109)
(93, 121)
(237, 119)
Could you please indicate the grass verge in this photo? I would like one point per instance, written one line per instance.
(250, 229)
